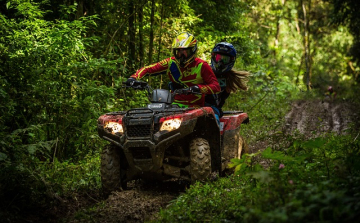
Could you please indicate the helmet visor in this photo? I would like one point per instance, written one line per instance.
(182, 52)
(222, 58)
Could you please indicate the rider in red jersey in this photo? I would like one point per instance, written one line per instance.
(185, 70)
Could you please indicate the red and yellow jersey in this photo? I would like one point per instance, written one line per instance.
(197, 73)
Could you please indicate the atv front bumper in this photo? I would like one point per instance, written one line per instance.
(145, 155)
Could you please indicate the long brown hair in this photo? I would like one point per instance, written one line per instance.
(236, 80)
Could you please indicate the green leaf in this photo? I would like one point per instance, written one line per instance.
(3, 156)
(31, 149)
(276, 155)
(262, 176)
(315, 143)
(237, 168)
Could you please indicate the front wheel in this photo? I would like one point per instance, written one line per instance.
(200, 160)
(111, 174)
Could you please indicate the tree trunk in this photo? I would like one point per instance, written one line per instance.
(307, 55)
(151, 40)
(299, 71)
(141, 40)
(161, 26)
(131, 40)
(151, 44)
(160, 35)
(277, 36)
(80, 8)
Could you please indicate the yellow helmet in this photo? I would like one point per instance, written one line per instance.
(184, 48)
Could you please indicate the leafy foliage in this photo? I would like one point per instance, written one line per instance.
(345, 14)
(52, 100)
(309, 181)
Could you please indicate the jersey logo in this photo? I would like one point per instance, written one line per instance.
(187, 73)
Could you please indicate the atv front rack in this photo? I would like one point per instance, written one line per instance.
(232, 112)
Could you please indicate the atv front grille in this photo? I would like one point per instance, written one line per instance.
(156, 127)
(139, 130)
(141, 152)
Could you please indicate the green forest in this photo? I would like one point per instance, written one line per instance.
(62, 65)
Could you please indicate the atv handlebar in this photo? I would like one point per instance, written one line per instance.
(142, 85)
(185, 91)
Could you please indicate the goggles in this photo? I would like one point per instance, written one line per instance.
(179, 52)
(220, 57)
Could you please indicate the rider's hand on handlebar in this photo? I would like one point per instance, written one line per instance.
(130, 81)
(135, 84)
(191, 90)
(195, 89)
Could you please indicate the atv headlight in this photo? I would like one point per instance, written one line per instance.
(171, 124)
(114, 127)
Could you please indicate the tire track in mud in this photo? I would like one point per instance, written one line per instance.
(141, 202)
(313, 118)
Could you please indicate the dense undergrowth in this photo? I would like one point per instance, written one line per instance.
(309, 181)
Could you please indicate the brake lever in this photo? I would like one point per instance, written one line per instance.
(188, 91)
(185, 91)
(134, 85)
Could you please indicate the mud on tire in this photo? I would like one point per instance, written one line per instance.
(234, 148)
(242, 147)
(110, 169)
(200, 159)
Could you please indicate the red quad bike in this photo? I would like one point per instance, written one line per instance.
(163, 141)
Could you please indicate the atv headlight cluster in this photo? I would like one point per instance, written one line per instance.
(171, 124)
(114, 127)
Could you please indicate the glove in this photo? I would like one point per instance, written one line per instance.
(173, 86)
(195, 89)
(130, 81)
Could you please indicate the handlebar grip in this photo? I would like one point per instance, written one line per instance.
(136, 84)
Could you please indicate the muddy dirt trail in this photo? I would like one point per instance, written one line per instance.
(313, 118)
(139, 203)
(142, 201)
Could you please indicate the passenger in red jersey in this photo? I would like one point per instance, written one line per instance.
(185, 70)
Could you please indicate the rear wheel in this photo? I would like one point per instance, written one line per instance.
(111, 173)
(200, 159)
